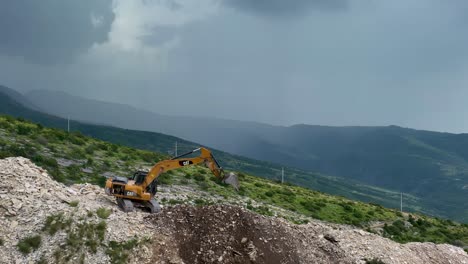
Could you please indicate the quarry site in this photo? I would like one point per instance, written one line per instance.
(43, 221)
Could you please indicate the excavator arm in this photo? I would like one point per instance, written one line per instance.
(178, 162)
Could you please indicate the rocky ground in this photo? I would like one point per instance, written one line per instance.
(32, 204)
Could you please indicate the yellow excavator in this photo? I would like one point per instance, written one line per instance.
(139, 190)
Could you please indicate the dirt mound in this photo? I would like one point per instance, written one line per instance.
(224, 234)
(229, 234)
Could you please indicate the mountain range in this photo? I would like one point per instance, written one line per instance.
(430, 167)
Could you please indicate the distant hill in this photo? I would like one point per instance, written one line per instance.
(165, 144)
(430, 165)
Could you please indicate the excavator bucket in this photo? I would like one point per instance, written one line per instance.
(231, 179)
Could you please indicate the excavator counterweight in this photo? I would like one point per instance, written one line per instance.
(140, 189)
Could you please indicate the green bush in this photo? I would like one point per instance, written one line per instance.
(173, 202)
(45, 161)
(23, 129)
(74, 203)
(90, 149)
(89, 162)
(310, 205)
(103, 213)
(56, 222)
(165, 178)
(86, 234)
(77, 153)
(358, 214)
(203, 186)
(29, 244)
(199, 177)
(119, 252)
(42, 141)
(57, 175)
(76, 140)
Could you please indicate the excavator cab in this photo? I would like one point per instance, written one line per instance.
(139, 177)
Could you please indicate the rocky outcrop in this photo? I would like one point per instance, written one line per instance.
(28, 196)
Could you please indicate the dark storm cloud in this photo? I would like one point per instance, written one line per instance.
(284, 8)
(53, 31)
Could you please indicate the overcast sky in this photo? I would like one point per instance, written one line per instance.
(328, 62)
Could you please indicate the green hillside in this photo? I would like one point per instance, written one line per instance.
(432, 166)
(75, 158)
(163, 144)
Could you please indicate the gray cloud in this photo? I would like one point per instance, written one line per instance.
(400, 62)
(51, 31)
(284, 8)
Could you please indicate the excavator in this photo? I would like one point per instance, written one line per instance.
(140, 189)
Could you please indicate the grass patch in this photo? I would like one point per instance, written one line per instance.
(89, 235)
(119, 251)
(56, 222)
(29, 244)
(2, 242)
(74, 203)
(103, 213)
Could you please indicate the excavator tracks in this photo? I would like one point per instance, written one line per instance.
(153, 206)
(125, 204)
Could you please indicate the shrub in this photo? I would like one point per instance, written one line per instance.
(23, 129)
(165, 178)
(45, 161)
(118, 252)
(1, 242)
(56, 222)
(76, 140)
(374, 261)
(173, 202)
(57, 175)
(28, 244)
(42, 140)
(347, 207)
(74, 203)
(310, 205)
(184, 182)
(86, 234)
(199, 177)
(103, 146)
(89, 162)
(203, 186)
(263, 210)
(103, 213)
(259, 185)
(357, 214)
(269, 193)
(90, 149)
